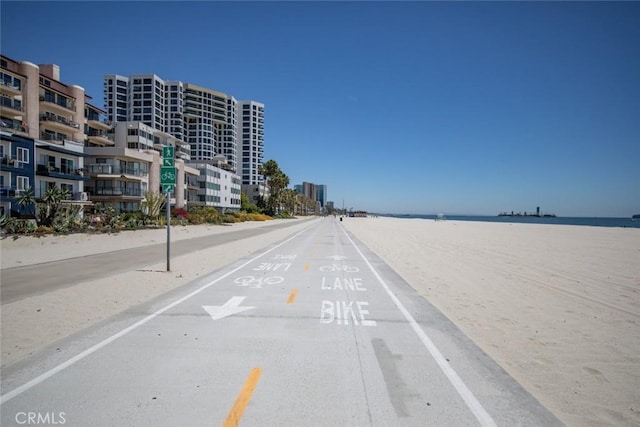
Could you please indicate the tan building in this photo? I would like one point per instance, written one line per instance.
(53, 136)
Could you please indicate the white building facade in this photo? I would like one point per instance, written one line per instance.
(217, 186)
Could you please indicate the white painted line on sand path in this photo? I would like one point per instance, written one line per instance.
(472, 403)
(21, 389)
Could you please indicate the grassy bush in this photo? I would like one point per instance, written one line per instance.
(255, 217)
(203, 215)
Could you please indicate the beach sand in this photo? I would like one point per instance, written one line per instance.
(32, 323)
(558, 307)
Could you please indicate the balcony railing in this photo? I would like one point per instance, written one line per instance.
(114, 170)
(11, 161)
(125, 192)
(48, 117)
(9, 192)
(49, 136)
(63, 102)
(9, 124)
(10, 85)
(99, 118)
(100, 133)
(46, 169)
(14, 104)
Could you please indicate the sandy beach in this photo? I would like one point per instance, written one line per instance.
(558, 307)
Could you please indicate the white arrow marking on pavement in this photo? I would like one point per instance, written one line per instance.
(337, 257)
(229, 308)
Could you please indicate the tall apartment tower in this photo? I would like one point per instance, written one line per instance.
(140, 98)
(251, 121)
(208, 120)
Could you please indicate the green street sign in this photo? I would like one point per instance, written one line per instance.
(167, 175)
(168, 152)
(167, 188)
(168, 162)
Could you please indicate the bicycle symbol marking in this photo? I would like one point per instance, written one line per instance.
(336, 267)
(168, 176)
(257, 282)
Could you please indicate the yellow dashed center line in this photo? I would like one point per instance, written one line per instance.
(243, 399)
(292, 296)
(306, 267)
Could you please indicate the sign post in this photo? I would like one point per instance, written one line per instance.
(168, 182)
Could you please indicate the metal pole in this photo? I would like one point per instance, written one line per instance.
(168, 233)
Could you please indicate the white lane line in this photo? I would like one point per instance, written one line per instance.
(21, 389)
(476, 408)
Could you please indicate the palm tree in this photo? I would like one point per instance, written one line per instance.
(288, 198)
(276, 181)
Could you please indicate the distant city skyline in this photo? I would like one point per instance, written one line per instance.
(397, 107)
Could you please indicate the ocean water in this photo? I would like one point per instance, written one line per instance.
(593, 222)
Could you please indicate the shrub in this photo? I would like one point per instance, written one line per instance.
(202, 215)
(230, 218)
(44, 230)
(179, 213)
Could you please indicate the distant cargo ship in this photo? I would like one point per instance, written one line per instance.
(537, 214)
(636, 216)
(528, 215)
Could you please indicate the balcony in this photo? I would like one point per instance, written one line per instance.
(10, 88)
(99, 121)
(13, 126)
(114, 170)
(57, 103)
(55, 138)
(59, 172)
(56, 122)
(11, 162)
(101, 138)
(9, 192)
(116, 192)
(11, 107)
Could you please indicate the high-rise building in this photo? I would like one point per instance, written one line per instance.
(315, 192)
(210, 121)
(251, 122)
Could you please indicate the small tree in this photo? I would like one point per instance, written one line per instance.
(246, 205)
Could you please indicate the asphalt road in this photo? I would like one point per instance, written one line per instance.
(30, 280)
(314, 331)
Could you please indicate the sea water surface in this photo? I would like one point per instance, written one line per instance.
(588, 221)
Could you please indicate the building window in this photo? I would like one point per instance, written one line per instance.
(66, 166)
(22, 155)
(22, 182)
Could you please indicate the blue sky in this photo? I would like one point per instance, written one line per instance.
(398, 107)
